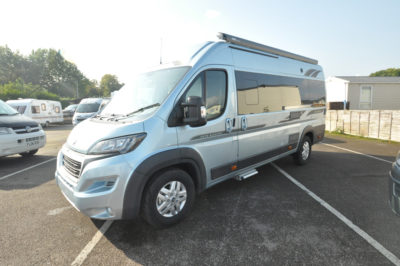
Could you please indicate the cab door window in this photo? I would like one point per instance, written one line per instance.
(211, 85)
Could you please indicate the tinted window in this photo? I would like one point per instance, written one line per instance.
(196, 88)
(215, 87)
(20, 108)
(35, 109)
(215, 93)
(258, 93)
(88, 108)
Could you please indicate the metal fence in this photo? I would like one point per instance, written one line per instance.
(380, 124)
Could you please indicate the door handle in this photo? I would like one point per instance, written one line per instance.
(228, 125)
(244, 123)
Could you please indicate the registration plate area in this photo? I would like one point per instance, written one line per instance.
(30, 142)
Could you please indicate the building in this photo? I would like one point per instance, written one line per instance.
(364, 93)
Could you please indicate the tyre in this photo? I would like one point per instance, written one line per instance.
(303, 153)
(29, 153)
(168, 198)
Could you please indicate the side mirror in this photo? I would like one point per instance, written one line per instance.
(194, 112)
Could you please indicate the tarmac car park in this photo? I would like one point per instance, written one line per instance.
(266, 219)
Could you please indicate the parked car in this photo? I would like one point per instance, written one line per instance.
(19, 134)
(43, 111)
(179, 129)
(69, 112)
(394, 185)
(87, 108)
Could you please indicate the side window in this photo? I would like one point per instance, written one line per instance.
(212, 83)
(215, 93)
(261, 93)
(43, 107)
(35, 109)
(196, 88)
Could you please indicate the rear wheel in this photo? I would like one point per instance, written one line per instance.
(168, 198)
(29, 153)
(303, 153)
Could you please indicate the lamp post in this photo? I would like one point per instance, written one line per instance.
(77, 89)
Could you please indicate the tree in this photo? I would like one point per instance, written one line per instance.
(108, 84)
(12, 65)
(390, 72)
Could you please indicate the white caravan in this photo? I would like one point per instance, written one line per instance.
(44, 112)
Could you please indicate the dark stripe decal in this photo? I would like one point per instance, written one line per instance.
(316, 111)
(293, 116)
(238, 131)
(227, 168)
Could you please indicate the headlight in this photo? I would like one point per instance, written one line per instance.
(122, 145)
(4, 130)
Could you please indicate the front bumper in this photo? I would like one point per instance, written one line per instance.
(19, 143)
(100, 188)
(394, 188)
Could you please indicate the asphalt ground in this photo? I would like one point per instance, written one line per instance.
(264, 220)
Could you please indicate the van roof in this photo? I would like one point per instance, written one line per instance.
(29, 100)
(21, 101)
(257, 46)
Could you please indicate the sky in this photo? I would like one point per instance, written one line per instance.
(124, 37)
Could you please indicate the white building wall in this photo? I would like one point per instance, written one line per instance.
(335, 89)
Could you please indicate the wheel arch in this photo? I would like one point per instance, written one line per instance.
(186, 159)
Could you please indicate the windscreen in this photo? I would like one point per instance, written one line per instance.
(20, 108)
(147, 90)
(88, 108)
(5, 109)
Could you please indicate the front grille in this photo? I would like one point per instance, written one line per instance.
(24, 130)
(71, 166)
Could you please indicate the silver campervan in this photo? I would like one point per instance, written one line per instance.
(177, 130)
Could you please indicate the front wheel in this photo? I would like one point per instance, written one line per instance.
(303, 153)
(168, 198)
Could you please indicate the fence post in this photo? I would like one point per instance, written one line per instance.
(391, 121)
(359, 123)
(350, 122)
(369, 117)
(379, 123)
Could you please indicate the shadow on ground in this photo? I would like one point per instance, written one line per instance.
(264, 220)
(25, 179)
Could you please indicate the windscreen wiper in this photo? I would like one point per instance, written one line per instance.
(141, 110)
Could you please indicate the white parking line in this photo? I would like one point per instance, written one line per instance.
(26, 169)
(356, 152)
(390, 256)
(92, 243)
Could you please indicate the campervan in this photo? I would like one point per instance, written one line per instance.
(179, 129)
(19, 134)
(87, 108)
(44, 112)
